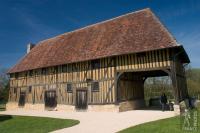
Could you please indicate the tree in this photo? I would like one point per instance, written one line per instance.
(4, 85)
(193, 81)
(154, 86)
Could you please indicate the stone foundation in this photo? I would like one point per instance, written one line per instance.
(62, 107)
(123, 106)
(12, 106)
(68, 108)
(131, 105)
(103, 108)
(29, 106)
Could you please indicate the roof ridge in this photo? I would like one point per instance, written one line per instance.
(98, 23)
(140, 32)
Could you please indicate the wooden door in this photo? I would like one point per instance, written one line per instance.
(81, 99)
(50, 99)
(22, 99)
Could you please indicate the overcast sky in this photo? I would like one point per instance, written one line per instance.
(25, 21)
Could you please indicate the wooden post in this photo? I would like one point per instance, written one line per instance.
(117, 77)
(174, 82)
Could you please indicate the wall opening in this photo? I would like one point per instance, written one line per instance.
(50, 99)
(154, 87)
(135, 89)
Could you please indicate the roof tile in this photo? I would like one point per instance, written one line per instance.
(134, 32)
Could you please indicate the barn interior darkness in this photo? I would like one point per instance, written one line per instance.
(137, 86)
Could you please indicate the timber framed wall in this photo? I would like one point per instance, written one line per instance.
(83, 74)
(117, 82)
(144, 61)
(78, 74)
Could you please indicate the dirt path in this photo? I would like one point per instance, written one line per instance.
(99, 122)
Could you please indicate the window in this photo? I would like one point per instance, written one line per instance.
(29, 89)
(95, 86)
(55, 69)
(43, 71)
(16, 75)
(69, 87)
(36, 72)
(31, 73)
(95, 64)
(74, 67)
(112, 62)
(64, 68)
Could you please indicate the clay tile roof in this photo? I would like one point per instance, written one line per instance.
(134, 32)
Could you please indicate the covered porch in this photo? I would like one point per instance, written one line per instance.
(130, 86)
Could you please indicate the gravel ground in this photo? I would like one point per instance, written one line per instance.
(99, 122)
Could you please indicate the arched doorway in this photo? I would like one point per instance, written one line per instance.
(154, 87)
(130, 88)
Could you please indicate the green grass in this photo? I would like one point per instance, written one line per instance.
(28, 124)
(170, 125)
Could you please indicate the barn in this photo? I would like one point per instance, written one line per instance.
(101, 67)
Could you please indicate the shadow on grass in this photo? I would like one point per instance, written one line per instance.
(5, 117)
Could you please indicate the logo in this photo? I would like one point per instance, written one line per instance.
(189, 120)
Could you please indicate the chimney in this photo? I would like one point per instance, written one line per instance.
(29, 47)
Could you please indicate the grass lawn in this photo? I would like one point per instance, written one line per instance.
(29, 124)
(170, 125)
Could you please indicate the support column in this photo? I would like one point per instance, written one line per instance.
(179, 82)
(117, 92)
(171, 74)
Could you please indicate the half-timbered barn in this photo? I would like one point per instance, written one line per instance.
(99, 67)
